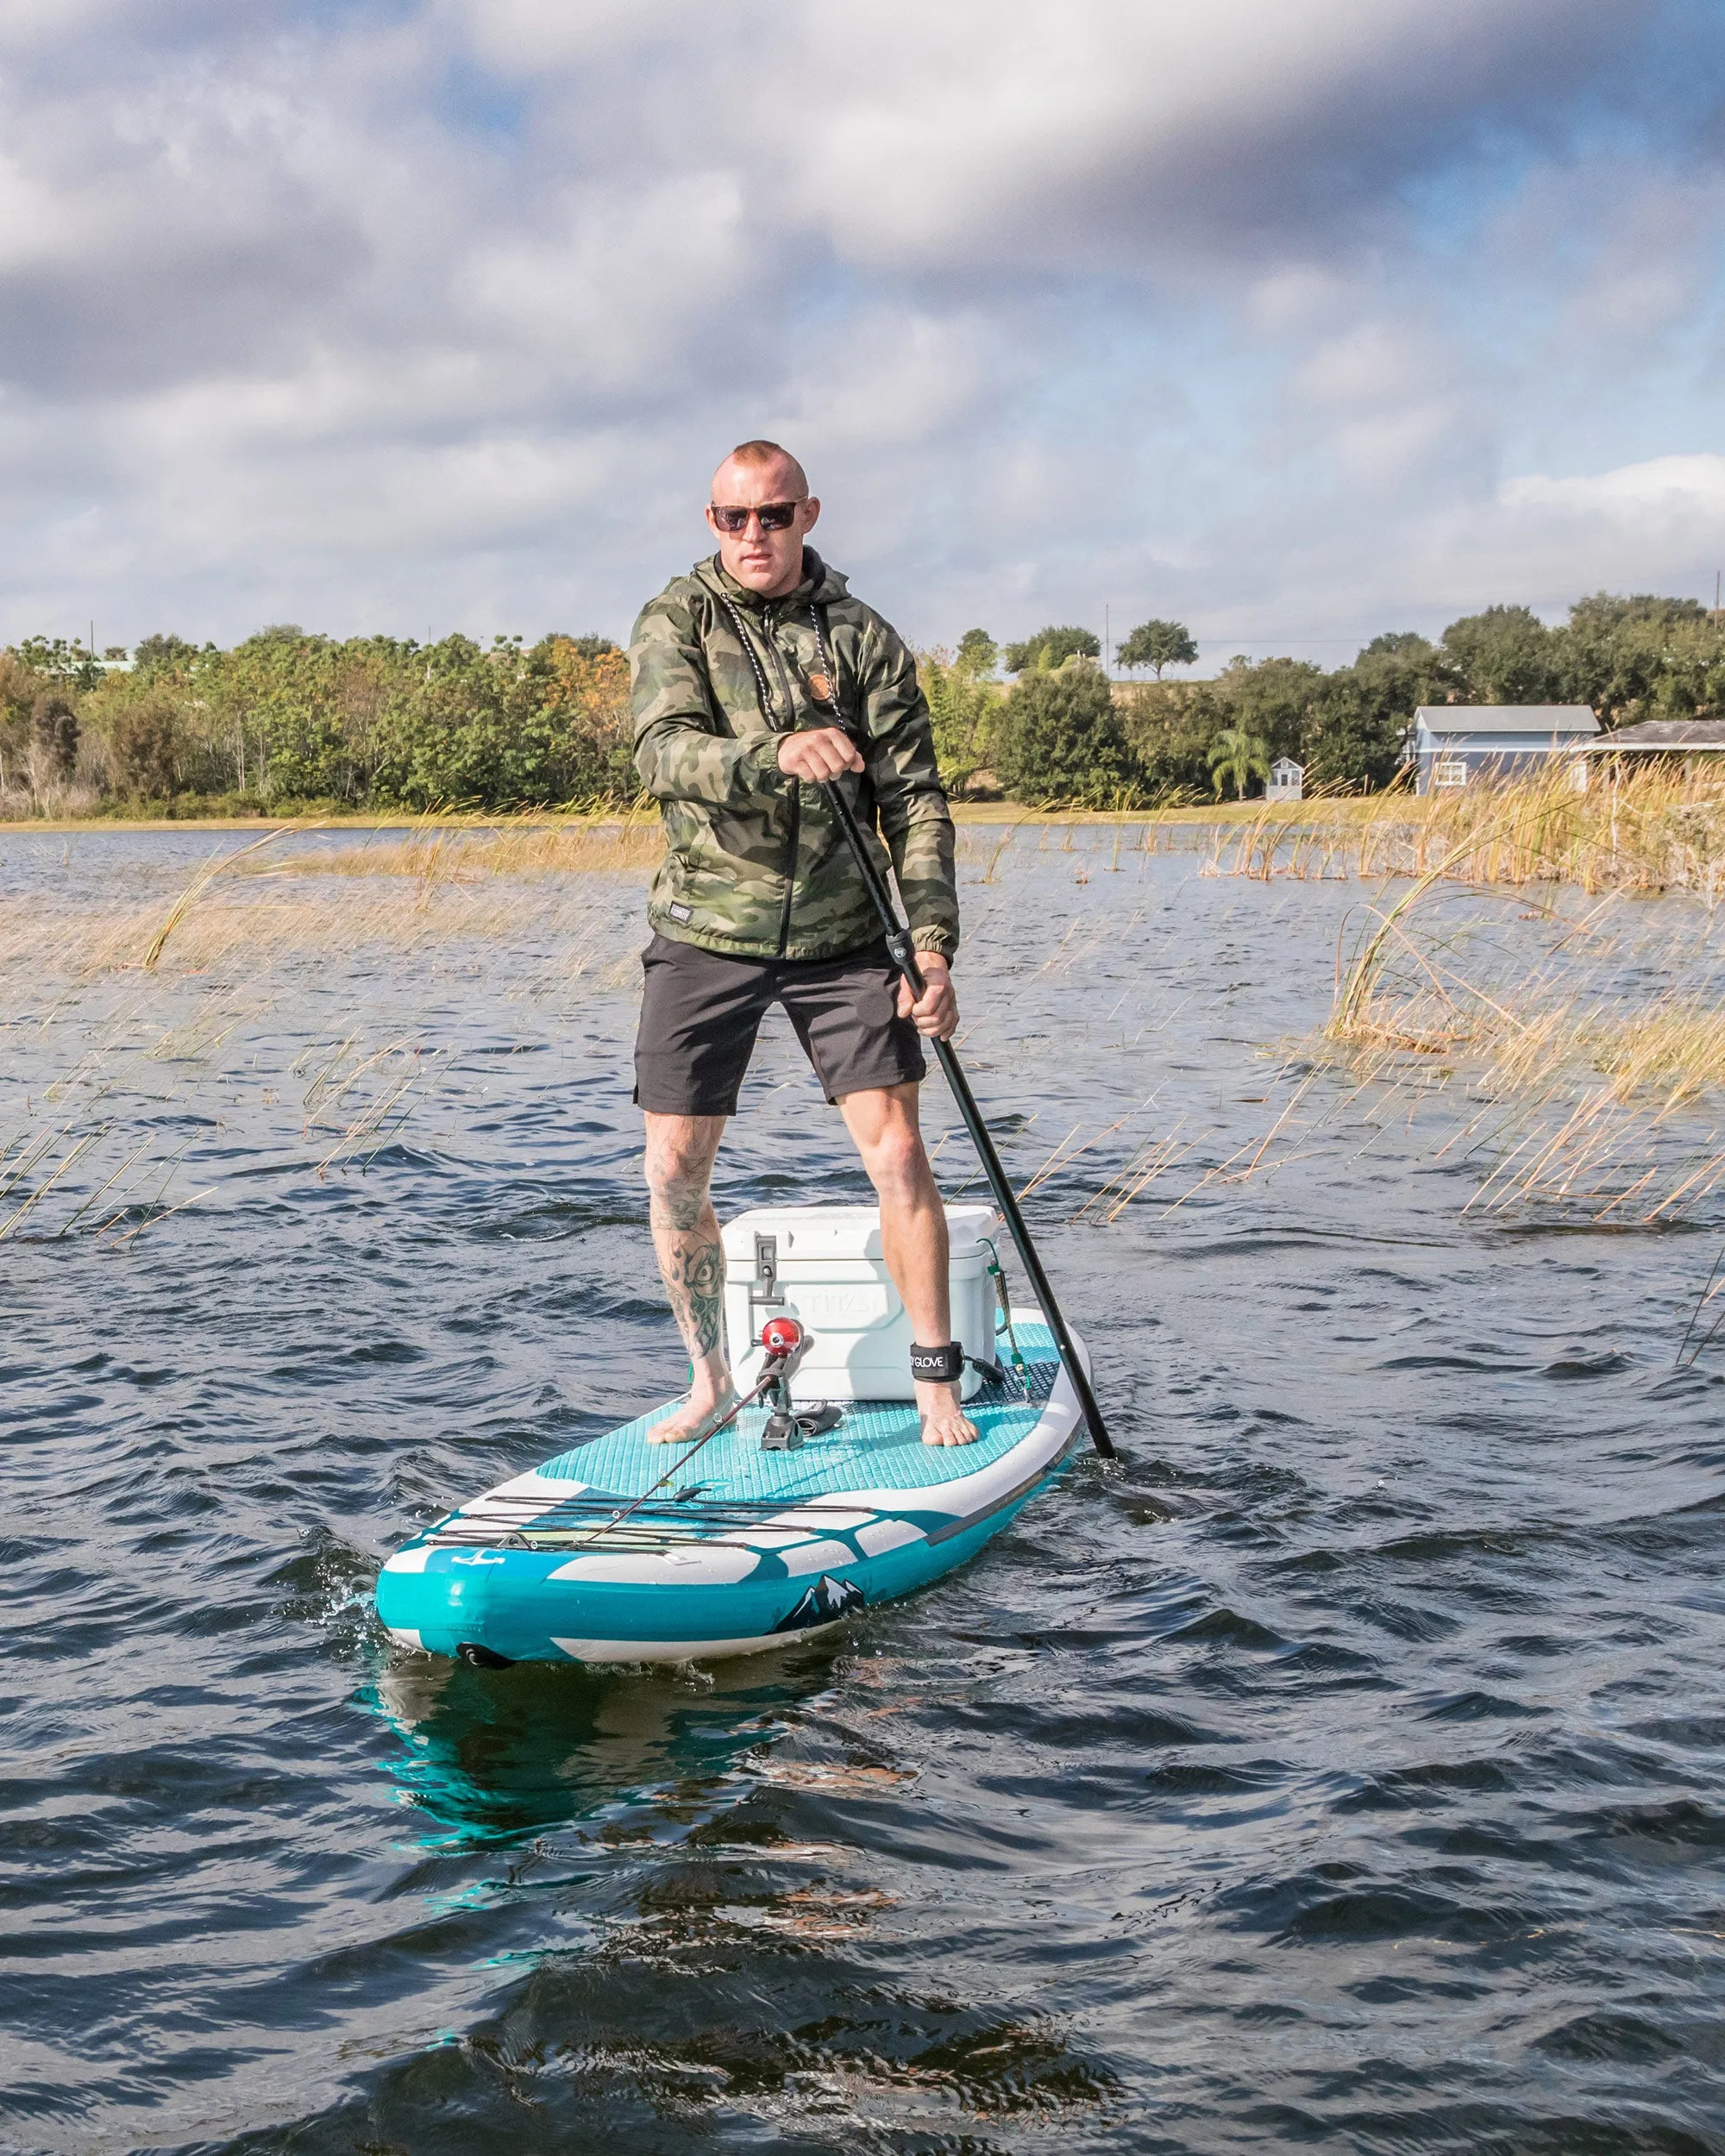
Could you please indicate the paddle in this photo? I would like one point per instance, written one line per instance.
(822, 688)
(903, 954)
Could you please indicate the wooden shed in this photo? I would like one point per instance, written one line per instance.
(1287, 781)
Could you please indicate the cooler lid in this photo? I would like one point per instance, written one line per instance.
(851, 1231)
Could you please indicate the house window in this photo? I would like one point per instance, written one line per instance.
(1450, 771)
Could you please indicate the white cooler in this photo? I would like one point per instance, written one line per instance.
(823, 1264)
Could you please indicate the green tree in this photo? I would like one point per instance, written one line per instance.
(1641, 657)
(19, 689)
(1273, 699)
(1050, 647)
(1504, 654)
(162, 653)
(68, 665)
(962, 706)
(1239, 756)
(1355, 732)
(581, 686)
(288, 717)
(1157, 644)
(1170, 725)
(280, 687)
(977, 654)
(1059, 738)
(506, 728)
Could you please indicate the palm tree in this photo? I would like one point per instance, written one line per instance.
(1237, 754)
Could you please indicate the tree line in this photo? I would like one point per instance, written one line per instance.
(1062, 732)
(288, 720)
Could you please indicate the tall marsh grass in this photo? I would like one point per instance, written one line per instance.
(1633, 828)
(1505, 962)
(523, 846)
(246, 907)
(1587, 1049)
(177, 988)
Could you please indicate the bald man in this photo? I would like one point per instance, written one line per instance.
(755, 677)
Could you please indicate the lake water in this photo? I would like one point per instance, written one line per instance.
(1343, 1769)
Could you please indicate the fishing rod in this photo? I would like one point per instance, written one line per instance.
(903, 954)
(785, 1342)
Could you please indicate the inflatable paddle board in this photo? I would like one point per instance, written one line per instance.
(596, 1558)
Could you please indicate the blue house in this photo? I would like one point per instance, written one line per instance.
(1456, 744)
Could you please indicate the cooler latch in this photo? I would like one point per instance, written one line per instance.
(763, 1289)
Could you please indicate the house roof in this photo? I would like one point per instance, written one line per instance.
(1667, 733)
(1507, 718)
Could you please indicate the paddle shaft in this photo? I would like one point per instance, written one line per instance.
(904, 957)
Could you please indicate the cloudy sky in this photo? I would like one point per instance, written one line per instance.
(1295, 319)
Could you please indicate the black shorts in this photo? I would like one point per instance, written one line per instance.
(701, 1011)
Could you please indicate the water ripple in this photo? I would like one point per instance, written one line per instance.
(1343, 1767)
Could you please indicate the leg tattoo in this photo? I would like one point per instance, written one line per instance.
(692, 1265)
(694, 1274)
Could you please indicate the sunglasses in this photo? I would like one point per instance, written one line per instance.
(774, 516)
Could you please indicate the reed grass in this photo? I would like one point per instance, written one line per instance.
(1646, 829)
(1590, 1049)
(153, 974)
(528, 846)
(245, 925)
(1575, 1036)
(1579, 1055)
(199, 884)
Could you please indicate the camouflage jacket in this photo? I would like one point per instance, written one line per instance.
(755, 864)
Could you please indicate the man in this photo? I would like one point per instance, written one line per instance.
(757, 676)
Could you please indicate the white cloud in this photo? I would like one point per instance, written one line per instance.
(1643, 496)
(380, 317)
(1657, 526)
(1048, 132)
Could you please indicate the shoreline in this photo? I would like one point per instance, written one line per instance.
(994, 815)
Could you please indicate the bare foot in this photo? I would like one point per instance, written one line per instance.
(694, 1417)
(944, 1420)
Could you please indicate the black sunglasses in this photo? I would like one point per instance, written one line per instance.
(774, 516)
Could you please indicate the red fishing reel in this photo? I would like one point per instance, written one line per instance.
(787, 1342)
(781, 1335)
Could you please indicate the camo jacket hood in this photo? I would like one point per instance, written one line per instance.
(755, 864)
